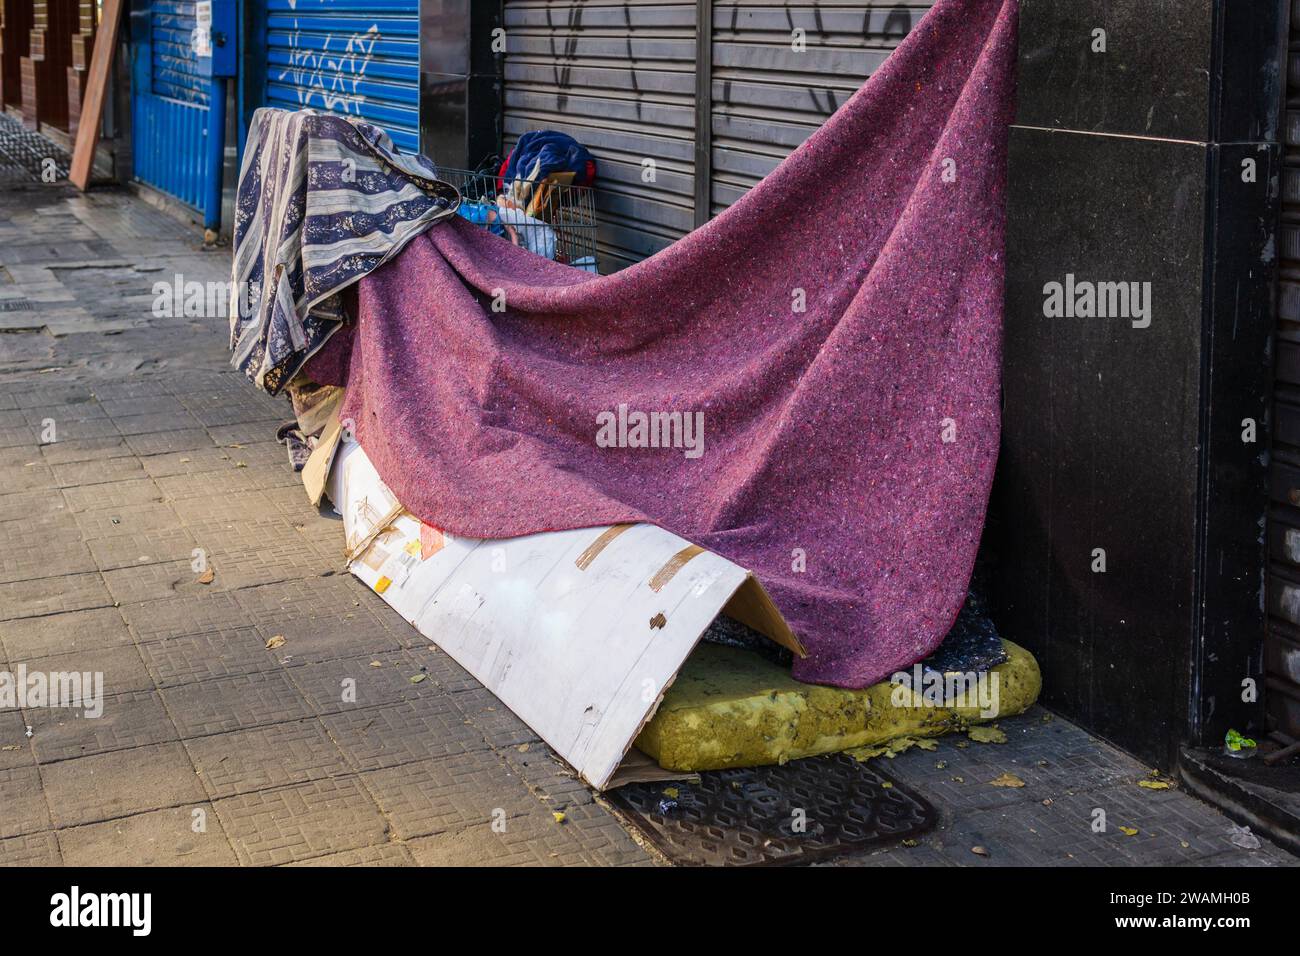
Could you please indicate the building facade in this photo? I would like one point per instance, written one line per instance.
(1134, 135)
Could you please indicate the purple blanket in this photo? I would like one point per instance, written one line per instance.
(822, 362)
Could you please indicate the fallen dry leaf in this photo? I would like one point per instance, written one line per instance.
(1007, 780)
(863, 754)
(979, 851)
(206, 577)
(1128, 831)
(558, 816)
(1153, 784)
(416, 678)
(892, 748)
(276, 641)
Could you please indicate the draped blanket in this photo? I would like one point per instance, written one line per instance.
(819, 365)
(322, 201)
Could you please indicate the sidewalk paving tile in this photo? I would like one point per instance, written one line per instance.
(64, 633)
(45, 596)
(302, 821)
(266, 758)
(176, 836)
(378, 737)
(241, 702)
(448, 794)
(108, 786)
(209, 655)
(23, 802)
(129, 720)
(385, 854)
(33, 849)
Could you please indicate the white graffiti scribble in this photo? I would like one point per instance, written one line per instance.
(330, 78)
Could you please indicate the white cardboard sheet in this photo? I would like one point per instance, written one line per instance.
(578, 632)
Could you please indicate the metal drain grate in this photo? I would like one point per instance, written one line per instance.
(750, 817)
(24, 154)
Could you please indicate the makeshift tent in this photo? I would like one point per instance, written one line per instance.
(837, 330)
(805, 388)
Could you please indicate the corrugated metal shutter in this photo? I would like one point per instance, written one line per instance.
(619, 78)
(173, 65)
(769, 96)
(1282, 648)
(169, 103)
(360, 57)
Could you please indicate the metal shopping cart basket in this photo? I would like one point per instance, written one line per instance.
(551, 218)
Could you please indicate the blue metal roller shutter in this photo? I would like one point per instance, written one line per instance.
(360, 57)
(169, 102)
(174, 67)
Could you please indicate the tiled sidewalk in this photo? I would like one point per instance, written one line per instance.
(214, 749)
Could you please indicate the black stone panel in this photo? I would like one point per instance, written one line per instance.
(1236, 391)
(443, 107)
(444, 36)
(1250, 71)
(1203, 70)
(1101, 430)
(1153, 79)
(460, 81)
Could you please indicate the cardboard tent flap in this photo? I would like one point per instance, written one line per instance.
(578, 632)
(315, 474)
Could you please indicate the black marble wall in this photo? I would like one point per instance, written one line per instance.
(1131, 498)
(460, 81)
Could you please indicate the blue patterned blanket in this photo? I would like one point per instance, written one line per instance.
(322, 201)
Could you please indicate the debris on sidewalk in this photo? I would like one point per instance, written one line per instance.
(1007, 780)
(1242, 837)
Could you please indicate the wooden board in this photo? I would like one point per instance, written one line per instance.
(101, 64)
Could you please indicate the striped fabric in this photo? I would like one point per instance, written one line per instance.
(322, 201)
